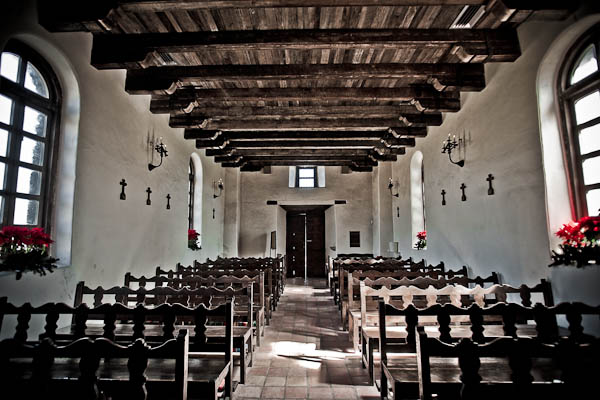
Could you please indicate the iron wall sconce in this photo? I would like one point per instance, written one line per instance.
(148, 201)
(161, 149)
(391, 186)
(168, 201)
(450, 144)
(218, 185)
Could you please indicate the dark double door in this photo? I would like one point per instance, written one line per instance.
(305, 243)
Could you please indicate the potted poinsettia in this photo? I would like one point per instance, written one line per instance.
(421, 240)
(25, 250)
(580, 243)
(193, 239)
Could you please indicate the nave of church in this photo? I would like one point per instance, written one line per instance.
(299, 198)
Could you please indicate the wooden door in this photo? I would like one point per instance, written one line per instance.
(315, 243)
(295, 244)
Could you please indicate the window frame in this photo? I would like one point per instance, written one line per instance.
(567, 96)
(51, 107)
(315, 177)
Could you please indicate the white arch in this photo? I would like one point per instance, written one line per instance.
(558, 203)
(64, 184)
(417, 201)
(198, 193)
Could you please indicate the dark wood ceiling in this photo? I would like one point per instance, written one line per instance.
(295, 82)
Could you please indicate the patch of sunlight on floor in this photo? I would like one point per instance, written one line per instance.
(306, 354)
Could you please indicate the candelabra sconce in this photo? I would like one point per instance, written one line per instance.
(161, 149)
(443, 197)
(391, 186)
(450, 144)
(168, 201)
(218, 186)
(123, 196)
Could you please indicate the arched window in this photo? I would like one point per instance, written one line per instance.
(191, 186)
(579, 93)
(29, 108)
(196, 192)
(417, 195)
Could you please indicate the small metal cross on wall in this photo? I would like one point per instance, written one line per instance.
(490, 178)
(464, 196)
(122, 196)
(148, 202)
(443, 197)
(168, 201)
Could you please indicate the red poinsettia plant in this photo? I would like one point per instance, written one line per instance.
(193, 239)
(421, 240)
(580, 243)
(25, 249)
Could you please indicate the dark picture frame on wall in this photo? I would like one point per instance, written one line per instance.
(354, 239)
(273, 240)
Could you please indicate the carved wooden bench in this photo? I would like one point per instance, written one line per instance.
(376, 279)
(398, 344)
(209, 356)
(208, 296)
(457, 295)
(221, 282)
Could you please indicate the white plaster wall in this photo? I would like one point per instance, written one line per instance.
(330, 238)
(506, 232)
(281, 230)
(376, 212)
(231, 228)
(110, 236)
(258, 218)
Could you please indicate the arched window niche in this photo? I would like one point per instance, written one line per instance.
(60, 220)
(561, 205)
(417, 196)
(196, 192)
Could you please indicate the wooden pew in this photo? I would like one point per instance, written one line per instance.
(376, 279)
(403, 297)
(208, 296)
(393, 270)
(237, 281)
(398, 351)
(209, 357)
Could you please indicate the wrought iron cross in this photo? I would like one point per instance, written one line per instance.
(490, 178)
(464, 196)
(148, 202)
(122, 196)
(168, 201)
(443, 197)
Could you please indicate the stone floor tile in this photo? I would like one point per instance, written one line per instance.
(296, 392)
(275, 381)
(273, 392)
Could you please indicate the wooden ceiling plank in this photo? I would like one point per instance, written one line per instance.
(303, 123)
(299, 144)
(305, 152)
(165, 80)
(316, 110)
(287, 135)
(131, 51)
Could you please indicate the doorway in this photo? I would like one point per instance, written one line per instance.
(305, 241)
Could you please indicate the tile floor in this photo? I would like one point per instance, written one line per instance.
(305, 353)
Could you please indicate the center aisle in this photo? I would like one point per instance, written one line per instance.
(305, 353)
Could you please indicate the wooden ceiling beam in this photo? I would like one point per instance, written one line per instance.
(395, 132)
(135, 51)
(299, 144)
(329, 123)
(423, 97)
(313, 111)
(308, 159)
(305, 152)
(165, 80)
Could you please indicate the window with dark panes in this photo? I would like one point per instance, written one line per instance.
(29, 104)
